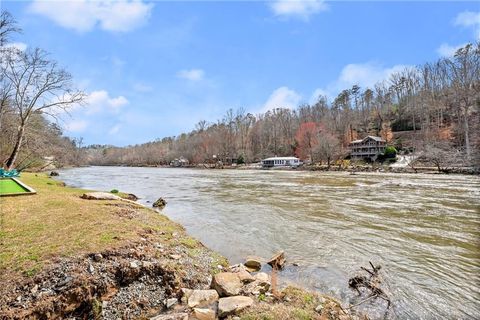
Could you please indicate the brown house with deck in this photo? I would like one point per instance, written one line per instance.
(367, 148)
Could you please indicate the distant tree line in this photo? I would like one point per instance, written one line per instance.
(432, 110)
(32, 87)
(436, 104)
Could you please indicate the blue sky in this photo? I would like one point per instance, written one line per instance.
(154, 69)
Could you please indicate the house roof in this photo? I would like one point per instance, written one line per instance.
(379, 139)
(281, 158)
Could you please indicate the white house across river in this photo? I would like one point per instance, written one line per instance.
(281, 162)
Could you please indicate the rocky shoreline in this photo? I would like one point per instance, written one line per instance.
(148, 280)
(135, 280)
(162, 275)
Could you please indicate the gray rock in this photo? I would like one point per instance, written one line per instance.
(262, 277)
(236, 268)
(171, 316)
(319, 308)
(171, 302)
(34, 289)
(227, 284)
(133, 265)
(260, 285)
(204, 314)
(131, 197)
(233, 305)
(186, 293)
(200, 298)
(253, 262)
(245, 276)
(160, 203)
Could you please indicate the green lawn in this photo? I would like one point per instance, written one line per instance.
(8, 186)
(57, 222)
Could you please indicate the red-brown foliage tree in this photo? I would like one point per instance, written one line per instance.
(307, 140)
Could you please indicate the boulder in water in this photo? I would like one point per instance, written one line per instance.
(130, 196)
(160, 203)
(253, 263)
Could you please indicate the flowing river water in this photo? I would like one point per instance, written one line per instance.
(424, 230)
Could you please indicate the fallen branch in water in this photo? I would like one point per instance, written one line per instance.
(371, 282)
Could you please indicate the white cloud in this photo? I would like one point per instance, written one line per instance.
(282, 97)
(446, 50)
(84, 15)
(113, 130)
(469, 19)
(98, 101)
(191, 74)
(316, 94)
(298, 8)
(365, 75)
(76, 126)
(17, 45)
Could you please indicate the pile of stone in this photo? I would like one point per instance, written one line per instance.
(231, 292)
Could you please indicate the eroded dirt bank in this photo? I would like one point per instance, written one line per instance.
(65, 257)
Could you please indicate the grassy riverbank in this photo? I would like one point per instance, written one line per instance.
(53, 235)
(57, 222)
(63, 256)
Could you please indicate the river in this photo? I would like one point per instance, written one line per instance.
(424, 230)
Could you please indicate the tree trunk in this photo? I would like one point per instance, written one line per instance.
(467, 137)
(13, 156)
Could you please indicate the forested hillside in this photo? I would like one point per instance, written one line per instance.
(432, 109)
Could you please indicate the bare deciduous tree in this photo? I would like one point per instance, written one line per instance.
(39, 86)
(8, 26)
(328, 147)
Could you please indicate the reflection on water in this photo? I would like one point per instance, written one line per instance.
(423, 229)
